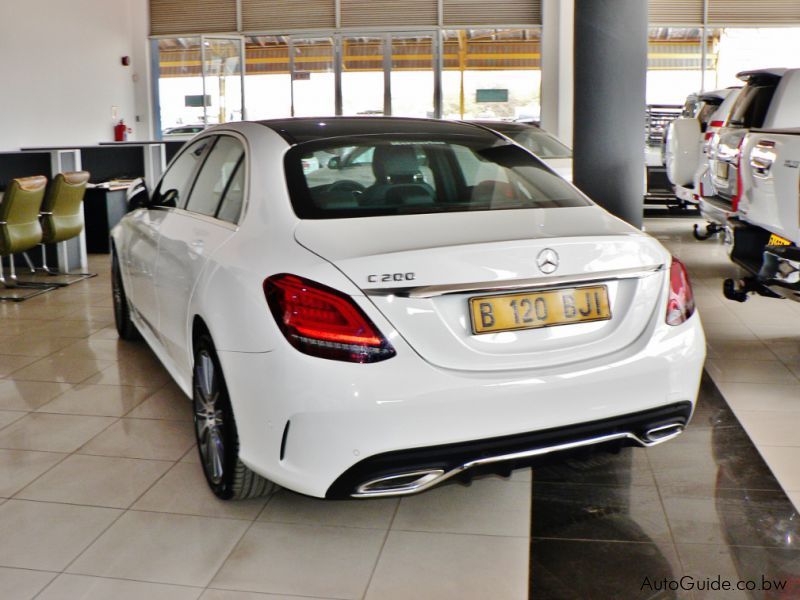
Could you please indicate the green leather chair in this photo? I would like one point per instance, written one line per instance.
(62, 215)
(20, 229)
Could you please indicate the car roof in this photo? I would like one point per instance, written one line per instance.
(503, 126)
(746, 75)
(307, 129)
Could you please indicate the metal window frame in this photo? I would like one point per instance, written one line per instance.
(336, 35)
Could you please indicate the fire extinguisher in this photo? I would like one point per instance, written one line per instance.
(120, 131)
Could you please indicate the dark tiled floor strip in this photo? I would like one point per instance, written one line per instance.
(703, 505)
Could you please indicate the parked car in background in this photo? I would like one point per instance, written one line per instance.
(461, 308)
(769, 99)
(182, 132)
(686, 140)
(765, 239)
(554, 153)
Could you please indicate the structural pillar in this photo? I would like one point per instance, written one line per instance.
(609, 104)
(557, 68)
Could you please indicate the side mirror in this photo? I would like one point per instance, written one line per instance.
(170, 198)
(334, 163)
(137, 195)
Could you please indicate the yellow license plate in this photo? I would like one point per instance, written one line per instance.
(532, 310)
(776, 240)
(722, 170)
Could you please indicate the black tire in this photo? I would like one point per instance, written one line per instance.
(122, 311)
(215, 431)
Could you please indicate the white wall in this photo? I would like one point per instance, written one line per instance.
(60, 70)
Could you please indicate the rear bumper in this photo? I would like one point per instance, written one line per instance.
(717, 210)
(776, 268)
(410, 471)
(685, 193)
(305, 422)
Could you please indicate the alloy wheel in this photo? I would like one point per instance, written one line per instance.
(209, 418)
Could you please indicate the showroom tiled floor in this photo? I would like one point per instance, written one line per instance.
(753, 351)
(101, 495)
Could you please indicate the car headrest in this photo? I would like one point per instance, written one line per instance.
(393, 163)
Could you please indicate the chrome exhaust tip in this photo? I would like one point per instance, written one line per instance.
(399, 483)
(662, 433)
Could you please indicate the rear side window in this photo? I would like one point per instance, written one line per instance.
(231, 208)
(214, 176)
(176, 182)
(405, 174)
(752, 104)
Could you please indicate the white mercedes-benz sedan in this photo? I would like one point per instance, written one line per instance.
(431, 301)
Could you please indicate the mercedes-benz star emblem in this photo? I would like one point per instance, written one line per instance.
(547, 261)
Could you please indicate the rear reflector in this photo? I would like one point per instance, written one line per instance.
(680, 301)
(324, 322)
(738, 195)
(717, 123)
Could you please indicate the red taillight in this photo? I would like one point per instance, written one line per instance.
(321, 321)
(680, 302)
(717, 123)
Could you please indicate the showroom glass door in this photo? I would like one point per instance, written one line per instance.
(223, 83)
(364, 75)
(268, 77)
(179, 84)
(412, 74)
(313, 76)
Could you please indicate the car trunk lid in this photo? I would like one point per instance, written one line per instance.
(421, 271)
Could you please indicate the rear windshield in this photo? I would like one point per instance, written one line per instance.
(540, 143)
(389, 175)
(752, 105)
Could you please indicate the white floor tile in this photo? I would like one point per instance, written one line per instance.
(771, 428)
(71, 587)
(749, 371)
(52, 433)
(41, 535)
(143, 438)
(784, 461)
(22, 584)
(302, 560)
(20, 467)
(433, 566)
(487, 506)
(100, 400)
(161, 548)
(28, 395)
(288, 507)
(184, 490)
(96, 481)
(761, 396)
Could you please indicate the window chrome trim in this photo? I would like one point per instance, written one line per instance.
(432, 291)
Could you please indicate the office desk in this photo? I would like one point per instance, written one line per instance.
(102, 209)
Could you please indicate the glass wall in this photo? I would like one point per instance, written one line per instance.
(486, 73)
(363, 75)
(744, 48)
(200, 81)
(313, 77)
(674, 63)
(675, 58)
(180, 83)
(268, 82)
(412, 75)
(492, 74)
(222, 76)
